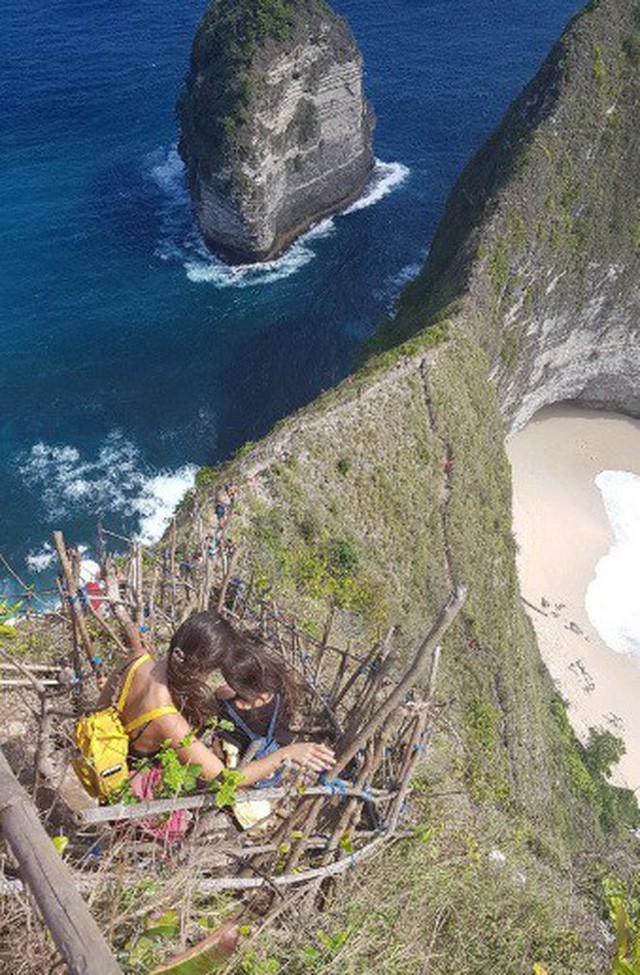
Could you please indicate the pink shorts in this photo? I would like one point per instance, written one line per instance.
(171, 830)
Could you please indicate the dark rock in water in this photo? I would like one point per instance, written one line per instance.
(276, 132)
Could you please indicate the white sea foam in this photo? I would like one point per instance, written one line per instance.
(210, 269)
(386, 178)
(181, 241)
(116, 480)
(37, 560)
(160, 496)
(612, 600)
(393, 285)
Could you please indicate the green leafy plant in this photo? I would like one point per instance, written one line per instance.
(7, 611)
(177, 776)
(623, 905)
(225, 787)
(220, 724)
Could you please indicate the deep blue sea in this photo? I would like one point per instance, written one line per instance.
(127, 355)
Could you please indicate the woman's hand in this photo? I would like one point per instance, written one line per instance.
(309, 754)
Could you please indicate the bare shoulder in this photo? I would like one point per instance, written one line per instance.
(173, 726)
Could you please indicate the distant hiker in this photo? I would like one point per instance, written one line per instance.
(211, 546)
(225, 500)
(223, 503)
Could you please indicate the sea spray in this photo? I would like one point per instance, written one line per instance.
(612, 599)
(116, 480)
(181, 240)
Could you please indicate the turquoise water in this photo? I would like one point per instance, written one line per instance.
(128, 355)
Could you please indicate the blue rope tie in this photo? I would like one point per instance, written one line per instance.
(97, 660)
(333, 785)
(419, 748)
(143, 628)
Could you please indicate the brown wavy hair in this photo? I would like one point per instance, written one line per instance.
(196, 650)
(251, 669)
(206, 642)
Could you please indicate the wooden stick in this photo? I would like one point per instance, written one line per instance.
(287, 879)
(206, 885)
(414, 672)
(105, 626)
(32, 680)
(74, 931)
(227, 578)
(157, 807)
(72, 597)
(172, 567)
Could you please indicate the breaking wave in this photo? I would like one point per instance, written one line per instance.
(37, 560)
(612, 597)
(115, 481)
(181, 241)
(386, 178)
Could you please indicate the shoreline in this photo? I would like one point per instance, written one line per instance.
(562, 531)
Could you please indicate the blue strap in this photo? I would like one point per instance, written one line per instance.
(274, 720)
(252, 735)
(333, 785)
(237, 720)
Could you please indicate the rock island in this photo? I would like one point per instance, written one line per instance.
(276, 131)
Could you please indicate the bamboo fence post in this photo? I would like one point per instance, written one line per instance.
(413, 751)
(172, 567)
(325, 640)
(227, 578)
(350, 747)
(72, 597)
(76, 934)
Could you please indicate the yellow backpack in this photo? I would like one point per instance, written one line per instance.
(102, 741)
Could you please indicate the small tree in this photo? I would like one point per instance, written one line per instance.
(602, 751)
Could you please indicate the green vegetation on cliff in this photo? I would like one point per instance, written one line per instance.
(233, 43)
(394, 487)
(220, 82)
(378, 499)
(542, 227)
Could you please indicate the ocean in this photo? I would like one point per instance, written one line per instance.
(612, 597)
(129, 356)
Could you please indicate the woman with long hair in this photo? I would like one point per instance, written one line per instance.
(170, 699)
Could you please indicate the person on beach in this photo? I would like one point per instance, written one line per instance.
(169, 699)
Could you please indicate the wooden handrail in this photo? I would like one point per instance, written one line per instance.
(76, 934)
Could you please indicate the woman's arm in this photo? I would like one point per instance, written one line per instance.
(308, 754)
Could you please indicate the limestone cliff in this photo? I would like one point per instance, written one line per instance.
(539, 248)
(275, 128)
(530, 295)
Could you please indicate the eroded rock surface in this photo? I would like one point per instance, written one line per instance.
(276, 130)
(538, 254)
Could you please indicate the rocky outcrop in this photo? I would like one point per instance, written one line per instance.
(275, 128)
(530, 295)
(538, 254)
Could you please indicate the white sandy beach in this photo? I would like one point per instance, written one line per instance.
(562, 532)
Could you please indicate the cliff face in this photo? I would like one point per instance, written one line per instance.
(533, 283)
(539, 248)
(276, 130)
(530, 295)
